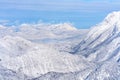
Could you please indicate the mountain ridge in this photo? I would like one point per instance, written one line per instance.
(61, 52)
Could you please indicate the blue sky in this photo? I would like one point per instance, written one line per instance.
(81, 13)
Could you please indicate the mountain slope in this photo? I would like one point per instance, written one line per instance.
(36, 59)
(101, 46)
(101, 35)
(61, 52)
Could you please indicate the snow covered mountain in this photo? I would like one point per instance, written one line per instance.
(61, 52)
(103, 38)
(36, 59)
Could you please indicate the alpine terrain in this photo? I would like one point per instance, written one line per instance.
(60, 51)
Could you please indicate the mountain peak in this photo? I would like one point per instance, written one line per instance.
(64, 26)
(110, 23)
(113, 18)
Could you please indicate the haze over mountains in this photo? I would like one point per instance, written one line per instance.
(60, 51)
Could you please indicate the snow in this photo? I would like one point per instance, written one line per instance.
(60, 51)
(36, 59)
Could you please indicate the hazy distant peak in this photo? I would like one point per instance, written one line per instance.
(2, 27)
(65, 26)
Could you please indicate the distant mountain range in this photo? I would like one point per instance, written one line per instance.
(60, 51)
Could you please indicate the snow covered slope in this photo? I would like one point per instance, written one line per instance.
(36, 59)
(61, 52)
(101, 46)
(100, 36)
